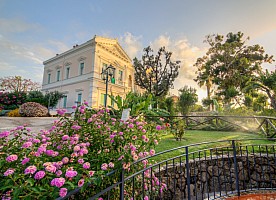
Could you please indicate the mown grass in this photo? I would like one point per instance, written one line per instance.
(197, 136)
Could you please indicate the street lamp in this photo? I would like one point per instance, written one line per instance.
(109, 71)
(49, 100)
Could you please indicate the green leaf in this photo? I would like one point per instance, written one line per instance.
(31, 181)
(70, 184)
(35, 189)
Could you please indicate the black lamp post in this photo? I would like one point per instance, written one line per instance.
(49, 100)
(109, 71)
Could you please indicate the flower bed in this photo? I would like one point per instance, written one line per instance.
(75, 153)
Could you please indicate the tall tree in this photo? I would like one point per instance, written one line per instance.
(156, 73)
(229, 63)
(266, 82)
(187, 99)
(18, 84)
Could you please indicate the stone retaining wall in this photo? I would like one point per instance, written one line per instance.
(216, 176)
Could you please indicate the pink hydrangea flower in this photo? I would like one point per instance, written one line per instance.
(25, 160)
(89, 120)
(152, 152)
(36, 141)
(19, 127)
(76, 148)
(91, 173)
(4, 134)
(130, 125)
(104, 166)
(80, 182)
(111, 165)
(62, 192)
(86, 165)
(9, 172)
(27, 144)
(65, 160)
(65, 137)
(50, 168)
(12, 158)
(80, 161)
(158, 127)
(39, 175)
(49, 152)
(71, 173)
(58, 173)
(61, 112)
(58, 182)
(30, 170)
(76, 127)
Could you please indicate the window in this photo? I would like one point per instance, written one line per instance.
(58, 75)
(81, 68)
(67, 72)
(64, 101)
(79, 98)
(120, 78)
(49, 78)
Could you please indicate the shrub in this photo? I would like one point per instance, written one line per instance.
(12, 100)
(75, 152)
(178, 129)
(33, 109)
(14, 113)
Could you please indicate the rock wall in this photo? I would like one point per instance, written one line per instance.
(216, 176)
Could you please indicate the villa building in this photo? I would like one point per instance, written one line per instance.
(77, 73)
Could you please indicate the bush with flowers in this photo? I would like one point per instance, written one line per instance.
(33, 109)
(75, 153)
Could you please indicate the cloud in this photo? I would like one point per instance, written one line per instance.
(25, 59)
(183, 51)
(131, 44)
(6, 66)
(16, 25)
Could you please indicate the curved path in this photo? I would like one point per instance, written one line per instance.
(35, 123)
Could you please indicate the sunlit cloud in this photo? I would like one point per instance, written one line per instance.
(131, 44)
(183, 51)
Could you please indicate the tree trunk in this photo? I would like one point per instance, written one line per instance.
(272, 99)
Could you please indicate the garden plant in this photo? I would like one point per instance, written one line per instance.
(75, 153)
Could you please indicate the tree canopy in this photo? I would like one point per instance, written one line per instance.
(156, 73)
(18, 84)
(229, 64)
(187, 99)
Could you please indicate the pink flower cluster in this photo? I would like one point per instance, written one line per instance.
(27, 144)
(71, 173)
(4, 134)
(58, 182)
(61, 112)
(9, 172)
(12, 158)
(62, 192)
(39, 175)
(30, 170)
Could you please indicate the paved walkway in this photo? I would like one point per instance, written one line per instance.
(35, 123)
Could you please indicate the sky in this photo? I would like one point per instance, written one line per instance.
(32, 31)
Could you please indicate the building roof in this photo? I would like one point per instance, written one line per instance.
(110, 45)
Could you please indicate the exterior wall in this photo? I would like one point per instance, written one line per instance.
(94, 54)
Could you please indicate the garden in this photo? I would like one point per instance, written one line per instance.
(157, 153)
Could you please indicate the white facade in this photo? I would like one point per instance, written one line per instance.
(77, 73)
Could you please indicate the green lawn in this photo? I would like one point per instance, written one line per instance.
(197, 136)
